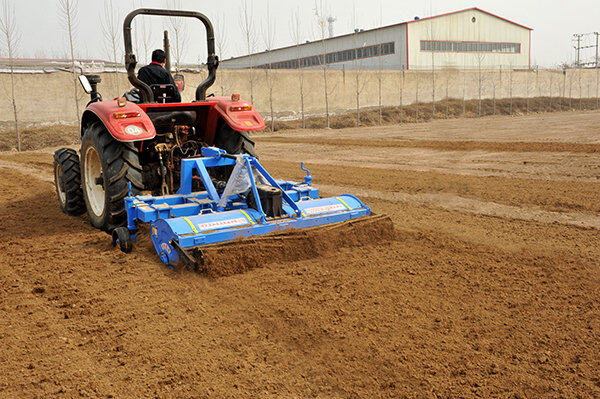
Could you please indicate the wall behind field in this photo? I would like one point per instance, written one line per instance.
(50, 97)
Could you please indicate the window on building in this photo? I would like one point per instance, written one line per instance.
(469, 47)
(333, 57)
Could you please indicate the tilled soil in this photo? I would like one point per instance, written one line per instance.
(490, 289)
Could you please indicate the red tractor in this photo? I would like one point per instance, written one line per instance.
(130, 146)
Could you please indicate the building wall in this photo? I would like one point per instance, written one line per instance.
(459, 27)
(455, 27)
(396, 34)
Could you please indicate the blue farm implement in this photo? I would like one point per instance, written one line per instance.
(251, 220)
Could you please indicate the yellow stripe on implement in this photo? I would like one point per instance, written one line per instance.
(247, 216)
(191, 225)
(342, 201)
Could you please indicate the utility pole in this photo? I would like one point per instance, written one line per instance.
(597, 53)
(583, 41)
(578, 37)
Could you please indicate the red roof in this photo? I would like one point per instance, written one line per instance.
(469, 9)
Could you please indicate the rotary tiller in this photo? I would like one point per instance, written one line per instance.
(252, 203)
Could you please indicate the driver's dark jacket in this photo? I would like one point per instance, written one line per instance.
(155, 74)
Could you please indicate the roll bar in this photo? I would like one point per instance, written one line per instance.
(212, 61)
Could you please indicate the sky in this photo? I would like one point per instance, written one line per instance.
(42, 35)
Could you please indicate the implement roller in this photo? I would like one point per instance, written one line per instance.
(184, 225)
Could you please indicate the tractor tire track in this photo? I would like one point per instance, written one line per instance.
(28, 170)
(490, 146)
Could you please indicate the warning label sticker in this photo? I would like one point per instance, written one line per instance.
(325, 209)
(223, 223)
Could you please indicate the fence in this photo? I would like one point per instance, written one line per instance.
(287, 94)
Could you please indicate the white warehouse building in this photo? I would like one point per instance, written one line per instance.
(465, 39)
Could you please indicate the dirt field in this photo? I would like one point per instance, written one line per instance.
(492, 288)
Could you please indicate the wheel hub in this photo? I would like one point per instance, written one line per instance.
(60, 183)
(94, 183)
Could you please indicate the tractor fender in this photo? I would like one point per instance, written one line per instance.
(132, 128)
(241, 121)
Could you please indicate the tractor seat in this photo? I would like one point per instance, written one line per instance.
(165, 120)
(164, 93)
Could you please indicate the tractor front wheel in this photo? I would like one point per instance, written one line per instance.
(67, 179)
(108, 167)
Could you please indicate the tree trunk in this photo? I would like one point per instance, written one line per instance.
(527, 92)
(116, 69)
(417, 98)
(357, 99)
(447, 105)
(432, 91)
(75, 83)
(401, 97)
(302, 98)
(464, 93)
(14, 106)
(326, 95)
(510, 92)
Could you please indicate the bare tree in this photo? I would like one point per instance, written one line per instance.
(510, 89)
(321, 20)
(111, 30)
(359, 83)
(401, 95)
(142, 35)
(580, 89)
(221, 44)
(358, 49)
(297, 38)
(538, 89)
(135, 32)
(494, 85)
(597, 87)
(379, 64)
(563, 88)
(431, 35)
(570, 90)
(527, 91)
(464, 93)
(40, 53)
(589, 95)
(145, 32)
(268, 33)
(221, 41)
(480, 78)
(10, 42)
(447, 95)
(247, 25)
(551, 84)
(180, 30)
(417, 97)
(68, 17)
(480, 58)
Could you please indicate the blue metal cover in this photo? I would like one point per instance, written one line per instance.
(193, 219)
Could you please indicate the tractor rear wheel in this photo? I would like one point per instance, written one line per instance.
(234, 142)
(67, 179)
(108, 168)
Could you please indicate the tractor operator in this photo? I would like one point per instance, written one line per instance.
(155, 73)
